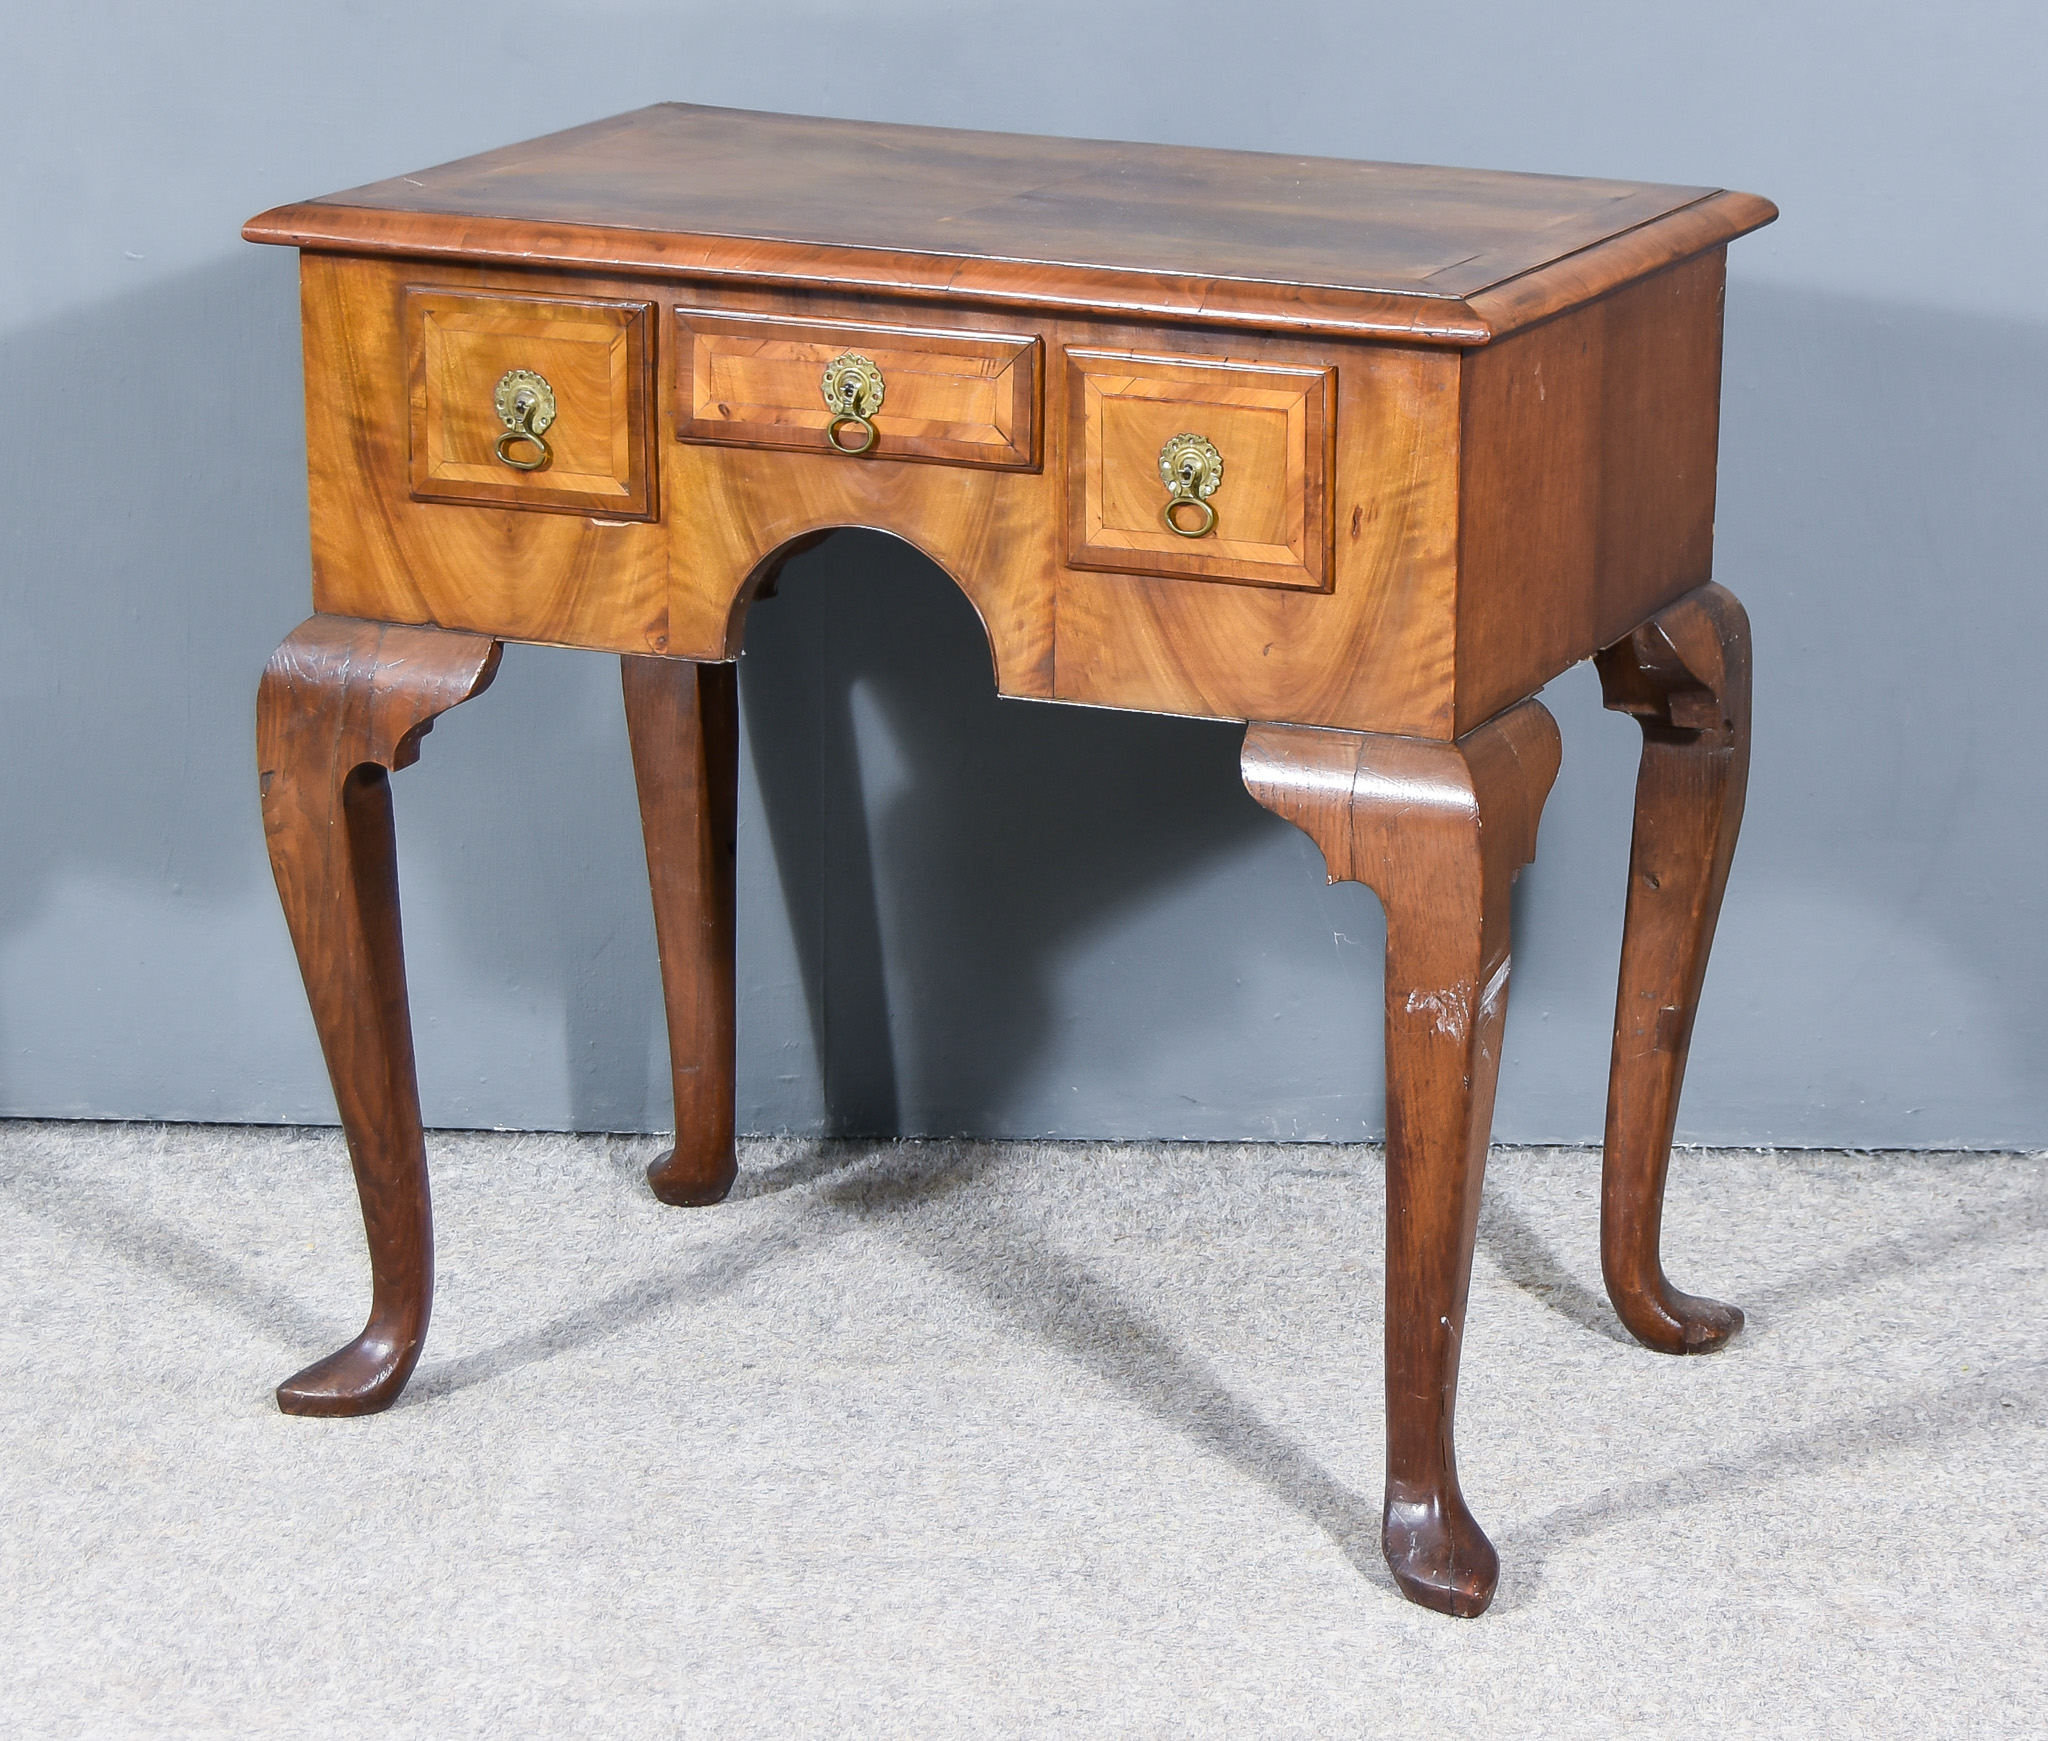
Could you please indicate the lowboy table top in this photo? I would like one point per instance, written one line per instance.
(1456, 256)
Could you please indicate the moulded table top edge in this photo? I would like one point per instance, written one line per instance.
(1309, 309)
(1155, 232)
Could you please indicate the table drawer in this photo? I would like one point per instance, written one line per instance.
(1262, 515)
(487, 366)
(955, 398)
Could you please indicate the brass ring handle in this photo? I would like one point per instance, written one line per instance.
(526, 406)
(853, 389)
(867, 433)
(1191, 469)
(543, 453)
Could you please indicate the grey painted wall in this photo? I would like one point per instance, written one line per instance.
(961, 914)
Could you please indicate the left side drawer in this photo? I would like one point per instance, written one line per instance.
(487, 367)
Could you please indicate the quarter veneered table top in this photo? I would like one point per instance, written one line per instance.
(1443, 255)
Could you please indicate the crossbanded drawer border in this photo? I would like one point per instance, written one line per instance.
(1013, 363)
(1304, 393)
(628, 492)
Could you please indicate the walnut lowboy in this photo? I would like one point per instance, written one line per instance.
(1360, 454)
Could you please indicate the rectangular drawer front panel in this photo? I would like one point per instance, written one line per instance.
(756, 380)
(596, 357)
(1270, 425)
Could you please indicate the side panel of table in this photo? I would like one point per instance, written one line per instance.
(1588, 480)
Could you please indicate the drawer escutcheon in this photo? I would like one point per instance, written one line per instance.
(1192, 470)
(526, 403)
(853, 389)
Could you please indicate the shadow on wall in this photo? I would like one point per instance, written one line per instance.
(919, 859)
(1877, 978)
(1883, 512)
(154, 552)
(961, 914)
(939, 847)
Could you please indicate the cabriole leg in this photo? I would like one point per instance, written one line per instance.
(1684, 675)
(342, 704)
(1439, 831)
(683, 720)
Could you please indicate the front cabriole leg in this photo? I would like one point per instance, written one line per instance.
(1684, 675)
(342, 704)
(1438, 830)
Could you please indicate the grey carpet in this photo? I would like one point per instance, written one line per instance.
(1047, 1440)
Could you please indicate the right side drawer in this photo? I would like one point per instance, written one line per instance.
(1268, 509)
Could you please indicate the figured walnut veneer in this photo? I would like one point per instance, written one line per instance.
(597, 357)
(1272, 427)
(1509, 462)
(753, 380)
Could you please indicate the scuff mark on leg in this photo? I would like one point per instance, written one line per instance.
(1449, 1011)
(1496, 987)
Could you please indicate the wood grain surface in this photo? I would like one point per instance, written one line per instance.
(576, 579)
(752, 380)
(1066, 225)
(1439, 831)
(1455, 525)
(1374, 653)
(1272, 428)
(1493, 516)
(683, 722)
(341, 706)
(598, 360)
(1685, 677)
(1586, 487)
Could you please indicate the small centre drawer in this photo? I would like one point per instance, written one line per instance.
(1238, 453)
(532, 401)
(760, 380)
